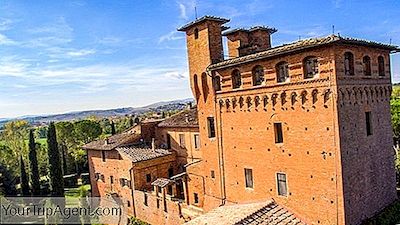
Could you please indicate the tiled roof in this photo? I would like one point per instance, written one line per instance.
(142, 154)
(201, 19)
(112, 142)
(162, 182)
(186, 118)
(271, 30)
(248, 214)
(299, 45)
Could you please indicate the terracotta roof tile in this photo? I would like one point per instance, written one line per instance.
(186, 118)
(142, 154)
(162, 182)
(248, 214)
(112, 142)
(299, 45)
(201, 19)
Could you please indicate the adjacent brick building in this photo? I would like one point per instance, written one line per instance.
(298, 133)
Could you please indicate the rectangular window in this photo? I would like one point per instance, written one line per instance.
(182, 140)
(111, 179)
(212, 174)
(196, 198)
(197, 141)
(211, 127)
(148, 178)
(368, 123)
(145, 199)
(278, 133)
(282, 185)
(248, 173)
(170, 172)
(103, 156)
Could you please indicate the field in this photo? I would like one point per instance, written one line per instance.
(41, 141)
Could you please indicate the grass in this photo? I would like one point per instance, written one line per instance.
(72, 195)
(41, 141)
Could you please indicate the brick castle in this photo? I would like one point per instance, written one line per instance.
(293, 134)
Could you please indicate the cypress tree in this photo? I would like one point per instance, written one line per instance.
(56, 175)
(34, 165)
(24, 179)
(112, 128)
(131, 123)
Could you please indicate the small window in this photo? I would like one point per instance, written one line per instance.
(182, 140)
(196, 198)
(129, 203)
(170, 172)
(196, 33)
(258, 75)
(236, 79)
(196, 141)
(278, 133)
(148, 178)
(217, 83)
(368, 123)
(282, 184)
(282, 72)
(348, 64)
(367, 65)
(211, 127)
(169, 190)
(97, 176)
(381, 66)
(212, 174)
(310, 67)
(103, 156)
(145, 199)
(248, 173)
(111, 179)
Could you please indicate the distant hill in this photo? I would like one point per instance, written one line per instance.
(156, 107)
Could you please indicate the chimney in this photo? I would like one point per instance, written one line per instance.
(106, 141)
(153, 144)
(189, 105)
(187, 118)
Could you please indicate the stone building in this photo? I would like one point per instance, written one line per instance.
(293, 134)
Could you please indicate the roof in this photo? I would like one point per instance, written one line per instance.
(114, 141)
(142, 154)
(271, 30)
(300, 45)
(162, 182)
(202, 19)
(248, 214)
(186, 118)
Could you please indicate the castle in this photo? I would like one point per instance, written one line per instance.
(293, 134)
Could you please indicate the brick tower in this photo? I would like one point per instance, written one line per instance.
(306, 124)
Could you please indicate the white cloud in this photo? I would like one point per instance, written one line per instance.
(171, 36)
(5, 24)
(4, 40)
(83, 52)
(182, 9)
(177, 75)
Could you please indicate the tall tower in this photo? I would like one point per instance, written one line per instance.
(204, 44)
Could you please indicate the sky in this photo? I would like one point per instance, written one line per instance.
(71, 55)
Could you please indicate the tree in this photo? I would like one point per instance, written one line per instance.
(87, 130)
(24, 179)
(7, 182)
(66, 140)
(112, 128)
(33, 162)
(56, 175)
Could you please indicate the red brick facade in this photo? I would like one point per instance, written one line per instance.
(317, 141)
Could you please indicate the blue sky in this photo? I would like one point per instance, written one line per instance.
(68, 55)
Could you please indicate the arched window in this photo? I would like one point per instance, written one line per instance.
(196, 33)
(310, 67)
(348, 64)
(217, 83)
(258, 75)
(367, 65)
(236, 79)
(282, 72)
(381, 66)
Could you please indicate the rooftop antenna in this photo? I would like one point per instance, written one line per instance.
(195, 12)
(390, 41)
(299, 37)
(333, 29)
